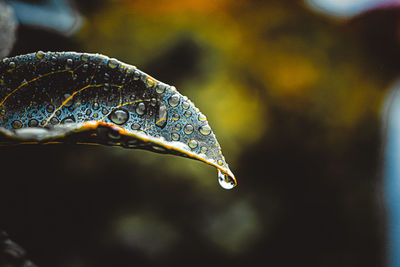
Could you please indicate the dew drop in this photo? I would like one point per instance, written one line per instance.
(39, 54)
(54, 121)
(33, 123)
(175, 117)
(162, 117)
(141, 109)
(53, 60)
(187, 113)
(175, 136)
(16, 124)
(203, 149)
(50, 108)
(69, 102)
(160, 89)
(70, 119)
(70, 62)
(85, 57)
(113, 63)
(136, 75)
(96, 106)
(85, 67)
(135, 126)
(185, 104)
(174, 100)
(193, 143)
(178, 127)
(202, 117)
(225, 181)
(106, 87)
(205, 129)
(119, 116)
(188, 129)
(150, 82)
(12, 64)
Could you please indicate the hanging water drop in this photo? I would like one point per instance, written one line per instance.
(225, 181)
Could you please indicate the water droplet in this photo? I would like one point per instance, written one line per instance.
(220, 162)
(135, 126)
(119, 116)
(178, 127)
(85, 57)
(202, 117)
(104, 111)
(96, 106)
(185, 104)
(11, 64)
(50, 108)
(53, 60)
(16, 124)
(136, 75)
(88, 112)
(175, 136)
(69, 102)
(113, 63)
(203, 149)
(161, 119)
(39, 54)
(85, 67)
(225, 181)
(175, 117)
(33, 123)
(193, 143)
(187, 113)
(174, 100)
(70, 119)
(150, 82)
(141, 109)
(70, 62)
(205, 129)
(160, 88)
(54, 121)
(188, 129)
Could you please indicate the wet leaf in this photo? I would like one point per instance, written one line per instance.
(70, 97)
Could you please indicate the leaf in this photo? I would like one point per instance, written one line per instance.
(68, 97)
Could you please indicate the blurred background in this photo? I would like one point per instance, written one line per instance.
(294, 91)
